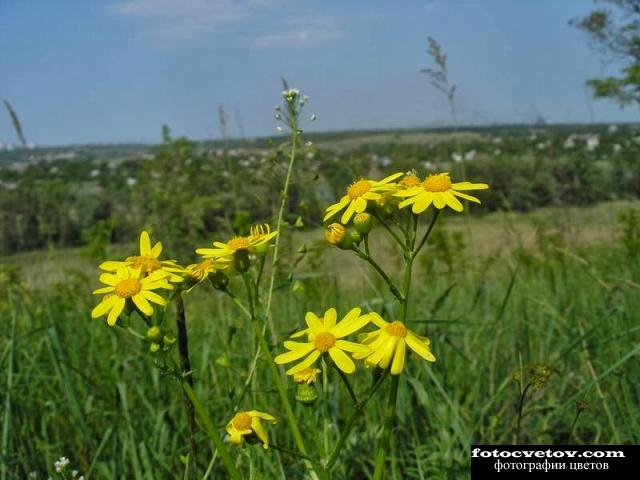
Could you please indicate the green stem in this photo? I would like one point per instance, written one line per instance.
(390, 411)
(295, 454)
(409, 256)
(185, 365)
(378, 268)
(354, 416)
(428, 232)
(345, 380)
(228, 462)
(389, 229)
(283, 202)
(275, 374)
(520, 409)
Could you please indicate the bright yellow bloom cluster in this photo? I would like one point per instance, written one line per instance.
(129, 283)
(148, 261)
(357, 196)
(248, 423)
(384, 347)
(325, 336)
(438, 190)
(388, 345)
(255, 242)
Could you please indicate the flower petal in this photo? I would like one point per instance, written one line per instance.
(118, 306)
(398, 359)
(143, 305)
(421, 348)
(314, 323)
(306, 363)
(452, 201)
(300, 351)
(342, 360)
(103, 307)
(469, 186)
(145, 244)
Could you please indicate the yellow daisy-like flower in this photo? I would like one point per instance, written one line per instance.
(128, 283)
(410, 180)
(200, 271)
(248, 423)
(308, 375)
(325, 336)
(439, 190)
(148, 261)
(388, 345)
(259, 237)
(358, 193)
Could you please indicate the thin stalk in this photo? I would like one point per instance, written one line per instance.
(428, 232)
(275, 374)
(295, 454)
(520, 408)
(283, 203)
(345, 380)
(185, 365)
(392, 286)
(389, 229)
(573, 426)
(390, 411)
(354, 416)
(228, 462)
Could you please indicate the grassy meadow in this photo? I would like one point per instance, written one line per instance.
(530, 302)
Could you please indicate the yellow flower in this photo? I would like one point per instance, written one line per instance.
(247, 423)
(409, 180)
(358, 193)
(201, 270)
(388, 345)
(147, 262)
(308, 375)
(259, 237)
(325, 336)
(128, 283)
(439, 190)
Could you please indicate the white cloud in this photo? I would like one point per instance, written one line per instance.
(188, 19)
(301, 33)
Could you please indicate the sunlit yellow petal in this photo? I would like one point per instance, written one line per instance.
(342, 360)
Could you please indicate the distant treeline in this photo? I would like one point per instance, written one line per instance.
(184, 191)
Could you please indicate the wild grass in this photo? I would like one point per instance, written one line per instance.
(530, 290)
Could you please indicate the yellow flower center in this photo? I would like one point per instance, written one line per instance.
(238, 243)
(335, 233)
(145, 264)
(396, 329)
(241, 421)
(359, 188)
(324, 341)
(128, 287)
(410, 180)
(437, 183)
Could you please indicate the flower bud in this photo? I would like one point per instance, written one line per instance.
(336, 234)
(154, 333)
(241, 260)
(355, 236)
(262, 249)
(306, 394)
(154, 347)
(219, 280)
(169, 339)
(362, 222)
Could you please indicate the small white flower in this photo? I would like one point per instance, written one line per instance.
(308, 144)
(470, 155)
(593, 142)
(456, 157)
(131, 181)
(313, 117)
(279, 128)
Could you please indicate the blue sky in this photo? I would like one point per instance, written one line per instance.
(115, 71)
